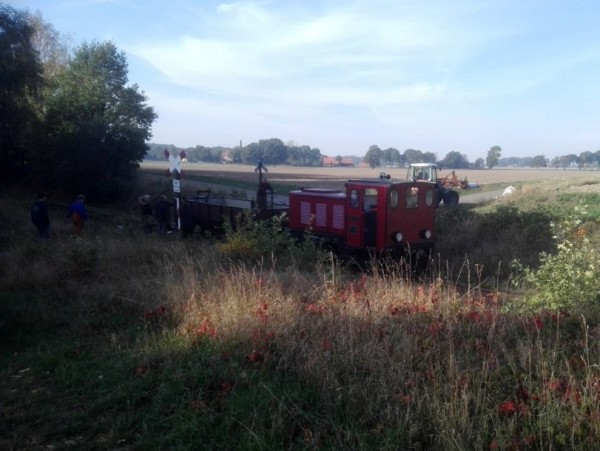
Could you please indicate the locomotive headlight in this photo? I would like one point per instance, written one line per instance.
(426, 234)
(398, 236)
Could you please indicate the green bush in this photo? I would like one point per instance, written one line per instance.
(570, 278)
(249, 240)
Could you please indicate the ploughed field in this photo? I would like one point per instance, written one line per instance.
(335, 177)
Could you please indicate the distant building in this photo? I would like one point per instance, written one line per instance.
(333, 161)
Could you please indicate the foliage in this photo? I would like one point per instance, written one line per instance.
(539, 161)
(271, 151)
(493, 156)
(20, 81)
(489, 240)
(570, 278)
(455, 160)
(267, 242)
(96, 125)
(374, 156)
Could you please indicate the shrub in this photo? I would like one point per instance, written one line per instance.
(249, 240)
(570, 278)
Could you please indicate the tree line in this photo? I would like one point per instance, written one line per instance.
(269, 151)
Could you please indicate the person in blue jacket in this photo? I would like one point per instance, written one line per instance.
(78, 214)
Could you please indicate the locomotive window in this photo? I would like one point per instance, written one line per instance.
(393, 198)
(412, 197)
(353, 198)
(429, 197)
(370, 199)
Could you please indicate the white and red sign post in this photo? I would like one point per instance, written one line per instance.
(175, 169)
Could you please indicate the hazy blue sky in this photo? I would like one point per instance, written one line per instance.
(342, 75)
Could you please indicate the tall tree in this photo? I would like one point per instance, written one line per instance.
(97, 126)
(493, 156)
(20, 80)
(274, 151)
(429, 157)
(455, 160)
(374, 156)
(539, 161)
(413, 156)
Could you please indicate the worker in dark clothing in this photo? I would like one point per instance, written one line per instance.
(146, 212)
(39, 216)
(162, 213)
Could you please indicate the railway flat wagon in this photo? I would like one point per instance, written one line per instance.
(210, 213)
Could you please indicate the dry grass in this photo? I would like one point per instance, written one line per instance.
(124, 341)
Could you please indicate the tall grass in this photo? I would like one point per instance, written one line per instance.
(123, 340)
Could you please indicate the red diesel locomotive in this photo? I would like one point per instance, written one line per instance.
(376, 216)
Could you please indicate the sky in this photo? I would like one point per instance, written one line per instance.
(343, 75)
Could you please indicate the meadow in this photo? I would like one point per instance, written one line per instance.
(123, 340)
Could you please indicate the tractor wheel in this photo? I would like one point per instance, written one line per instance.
(451, 198)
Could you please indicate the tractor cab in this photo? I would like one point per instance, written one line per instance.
(429, 172)
(423, 171)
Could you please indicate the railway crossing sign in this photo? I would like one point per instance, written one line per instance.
(175, 161)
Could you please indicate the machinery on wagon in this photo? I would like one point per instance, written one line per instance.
(376, 216)
(444, 185)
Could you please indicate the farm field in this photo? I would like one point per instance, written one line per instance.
(334, 177)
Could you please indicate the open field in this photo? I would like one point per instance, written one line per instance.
(333, 177)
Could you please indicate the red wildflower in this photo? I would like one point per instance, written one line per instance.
(474, 316)
(206, 329)
(435, 327)
(261, 312)
(315, 309)
(555, 385)
(255, 357)
(326, 344)
(226, 387)
(507, 408)
(494, 444)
